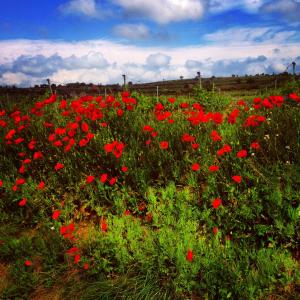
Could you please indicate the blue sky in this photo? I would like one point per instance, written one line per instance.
(99, 40)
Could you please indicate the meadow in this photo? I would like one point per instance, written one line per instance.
(127, 197)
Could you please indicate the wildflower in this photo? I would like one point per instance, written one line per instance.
(58, 166)
(20, 181)
(41, 185)
(127, 212)
(37, 155)
(103, 178)
(237, 178)
(56, 214)
(213, 168)
(90, 179)
(76, 258)
(255, 145)
(84, 127)
(113, 181)
(242, 154)
(86, 266)
(27, 263)
(215, 230)
(216, 203)
(164, 145)
(22, 202)
(124, 169)
(1, 183)
(103, 225)
(195, 167)
(215, 136)
(195, 146)
(189, 255)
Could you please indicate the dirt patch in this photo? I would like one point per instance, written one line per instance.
(3, 276)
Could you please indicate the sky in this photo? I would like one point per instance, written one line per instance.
(96, 41)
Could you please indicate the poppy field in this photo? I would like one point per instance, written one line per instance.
(126, 197)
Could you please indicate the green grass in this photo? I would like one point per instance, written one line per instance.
(133, 236)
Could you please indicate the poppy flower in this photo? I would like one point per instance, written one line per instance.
(28, 263)
(216, 203)
(112, 181)
(164, 145)
(84, 127)
(242, 154)
(215, 230)
(237, 178)
(22, 202)
(56, 214)
(37, 155)
(20, 181)
(120, 112)
(21, 169)
(86, 266)
(148, 128)
(195, 146)
(103, 178)
(127, 212)
(103, 225)
(215, 136)
(76, 258)
(41, 185)
(90, 179)
(58, 166)
(124, 169)
(189, 255)
(255, 145)
(195, 167)
(213, 168)
(1, 183)
(171, 100)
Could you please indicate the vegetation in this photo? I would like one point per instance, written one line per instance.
(126, 198)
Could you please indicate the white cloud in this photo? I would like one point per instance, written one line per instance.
(86, 8)
(27, 62)
(217, 6)
(132, 31)
(250, 36)
(158, 60)
(164, 11)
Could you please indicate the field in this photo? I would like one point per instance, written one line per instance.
(125, 197)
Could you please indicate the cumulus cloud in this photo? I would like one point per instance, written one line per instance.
(164, 11)
(29, 62)
(158, 60)
(132, 31)
(87, 8)
(218, 6)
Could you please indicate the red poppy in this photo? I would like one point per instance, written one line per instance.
(103, 225)
(215, 136)
(76, 258)
(22, 202)
(56, 214)
(1, 183)
(195, 146)
(195, 167)
(84, 127)
(148, 128)
(242, 153)
(21, 169)
(124, 169)
(237, 178)
(41, 185)
(113, 181)
(86, 266)
(103, 178)
(255, 145)
(164, 145)
(28, 263)
(127, 212)
(20, 181)
(216, 203)
(37, 155)
(90, 179)
(171, 100)
(213, 168)
(58, 166)
(120, 112)
(189, 255)
(215, 230)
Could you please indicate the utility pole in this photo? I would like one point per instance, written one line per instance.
(48, 80)
(124, 78)
(294, 66)
(199, 77)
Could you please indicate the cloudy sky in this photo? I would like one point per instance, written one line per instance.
(99, 40)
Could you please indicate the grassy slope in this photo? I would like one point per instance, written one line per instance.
(143, 255)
